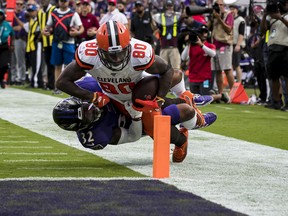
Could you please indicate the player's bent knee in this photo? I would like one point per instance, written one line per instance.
(186, 112)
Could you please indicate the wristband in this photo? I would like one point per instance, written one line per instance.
(137, 119)
(202, 46)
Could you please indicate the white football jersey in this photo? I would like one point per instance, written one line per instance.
(117, 85)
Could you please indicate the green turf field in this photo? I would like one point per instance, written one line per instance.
(251, 123)
(27, 154)
(237, 175)
(247, 122)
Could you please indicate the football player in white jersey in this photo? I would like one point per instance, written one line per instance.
(117, 61)
(96, 128)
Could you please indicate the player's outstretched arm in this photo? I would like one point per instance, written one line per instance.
(66, 80)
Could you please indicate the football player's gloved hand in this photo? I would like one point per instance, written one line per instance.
(150, 105)
(135, 115)
(100, 99)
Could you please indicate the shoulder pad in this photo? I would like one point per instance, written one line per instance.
(142, 54)
(86, 54)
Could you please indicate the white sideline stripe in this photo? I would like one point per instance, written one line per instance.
(75, 179)
(26, 147)
(243, 176)
(225, 107)
(38, 160)
(22, 141)
(281, 117)
(12, 136)
(247, 111)
(32, 153)
(60, 168)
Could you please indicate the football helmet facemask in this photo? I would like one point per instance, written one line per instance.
(72, 114)
(114, 48)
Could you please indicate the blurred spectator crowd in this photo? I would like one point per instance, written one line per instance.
(213, 44)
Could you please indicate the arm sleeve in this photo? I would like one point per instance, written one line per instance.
(49, 21)
(185, 54)
(76, 20)
(132, 134)
(26, 27)
(209, 51)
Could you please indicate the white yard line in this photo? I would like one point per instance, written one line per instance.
(59, 168)
(33, 153)
(22, 141)
(239, 175)
(26, 147)
(38, 160)
(225, 107)
(13, 136)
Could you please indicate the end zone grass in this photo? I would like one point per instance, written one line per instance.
(27, 154)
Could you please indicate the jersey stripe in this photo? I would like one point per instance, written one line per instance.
(81, 63)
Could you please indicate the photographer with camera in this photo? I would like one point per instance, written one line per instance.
(199, 53)
(221, 24)
(275, 19)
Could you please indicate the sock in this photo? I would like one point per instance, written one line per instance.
(190, 124)
(177, 137)
(179, 88)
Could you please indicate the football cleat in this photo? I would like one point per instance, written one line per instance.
(180, 152)
(203, 100)
(210, 118)
(189, 98)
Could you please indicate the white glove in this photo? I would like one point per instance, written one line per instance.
(135, 115)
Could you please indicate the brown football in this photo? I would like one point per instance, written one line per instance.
(145, 89)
